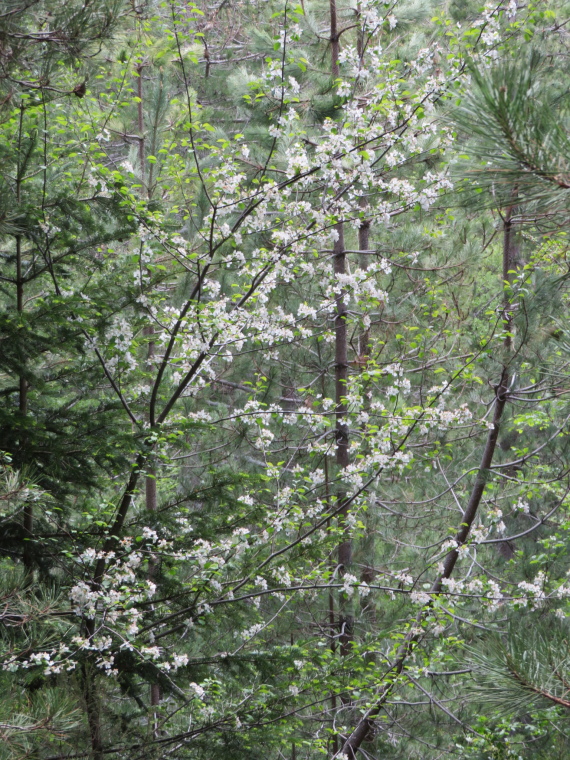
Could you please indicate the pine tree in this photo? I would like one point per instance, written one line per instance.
(169, 362)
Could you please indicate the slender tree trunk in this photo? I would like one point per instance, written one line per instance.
(359, 33)
(93, 712)
(366, 724)
(89, 688)
(150, 479)
(23, 399)
(363, 247)
(345, 619)
(334, 38)
(23, 385)
(22, 382)
(342, 455)
(509, 263)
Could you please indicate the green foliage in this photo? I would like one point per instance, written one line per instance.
(220, 263)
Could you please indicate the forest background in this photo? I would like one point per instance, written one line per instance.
(284, 355)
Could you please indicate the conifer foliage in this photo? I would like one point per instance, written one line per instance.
(283, 366)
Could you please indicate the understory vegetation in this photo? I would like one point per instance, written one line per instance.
(284, 379)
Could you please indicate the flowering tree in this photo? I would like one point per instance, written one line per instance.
(314, 400)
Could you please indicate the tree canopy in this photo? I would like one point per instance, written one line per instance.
(283, 359)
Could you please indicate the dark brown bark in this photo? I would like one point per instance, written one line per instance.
(23, 407)
(342, 437)
(150, 480)
(359, 33)
(155, 697)
(364, 237)
(22, 382)
(117, 526)
(150, 491)
(363, 247)
(345, 619)
(509, 263)
(341, 355)
(334, 40)
(480, 481)
(93, 712)
(23, 395)
(151, 498)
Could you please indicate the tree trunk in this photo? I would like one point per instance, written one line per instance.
(22, 382)
(342, 456)
(150, 479)
(93, 712)
(345, 618)
(335, 47)
(363, 247)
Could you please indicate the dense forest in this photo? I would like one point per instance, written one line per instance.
(284, 379)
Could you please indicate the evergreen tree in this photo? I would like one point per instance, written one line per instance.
(285, 413)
